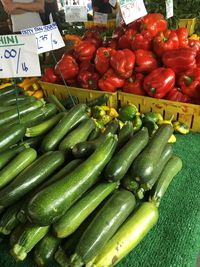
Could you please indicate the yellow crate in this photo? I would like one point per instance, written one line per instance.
(111, 23)
(82, 95)
(189, 24)
(187, 113)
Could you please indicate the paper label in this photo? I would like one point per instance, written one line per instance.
(75, 10)
(19, 56)
(100, 18)
(48, 37)
(169, 8)
(113, 2)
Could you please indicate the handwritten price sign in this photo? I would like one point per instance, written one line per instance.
(76, 13)
(48, 37)
(18, 56)
(132, 10)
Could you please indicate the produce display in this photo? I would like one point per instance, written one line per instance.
(79, 182)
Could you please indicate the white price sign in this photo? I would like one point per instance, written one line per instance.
(48, 37)
(113, 2)
(132, 11)
(76, 13)
(100, 18)
(169, 8)
(19, 57)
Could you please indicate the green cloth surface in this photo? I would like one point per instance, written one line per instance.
(175, 240)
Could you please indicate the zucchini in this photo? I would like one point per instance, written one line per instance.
(173, 166)
(44, 251)
(10, 90)
(79, 134)
(103, 226)
(12, 100)
(8, 220)
(85, 149)
(125, 134)
(53, 138)
(128, 236)
(44, 126)
(18, 164)
(15, 234)
(145, 164)
(5, 108)
(101, 100)
(72, 219)
(96, 132)
(10, 115)
(122, 160)
(27, 239)
(10, 137)
(53, 99)
(52, 202)
(31, 177)
(32, 141)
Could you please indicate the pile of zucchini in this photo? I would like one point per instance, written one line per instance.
(73, 193)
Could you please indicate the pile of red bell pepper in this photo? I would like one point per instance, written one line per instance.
(143, 57)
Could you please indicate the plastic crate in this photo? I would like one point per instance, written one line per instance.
(111, 23)
(187, 113)
(189, 24)
(82, 95)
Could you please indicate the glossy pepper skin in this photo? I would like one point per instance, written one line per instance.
(142, 41)
(134, 84)
(126, 38)
(102, 59)
(145, 61)
(85, 51)
(123, 62)
(68, 66)
(180, 59)
(159, 82)
(189, 82)
(110, 81)
(182, 34)
(153, 23)
(194, 44)
(165, 41)
(88, 80)
(175, 94)
(49, 75)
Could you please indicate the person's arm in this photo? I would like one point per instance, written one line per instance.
(36, 6)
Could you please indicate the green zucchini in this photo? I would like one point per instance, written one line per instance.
(12, 100)
(10, 137)
(8, 220)
(101, 100)
(173, 166)
(72, 219)
(44, 251)
(15, 234)
(103, 226)
(10, 90)
(18, 164)
(85, 149)
(31, 177)
(96, 132)
(44, 126)
(125, 134)
(145, 164)
(79, 134)
(5, 108)
(52, 202)
(53, 99)
(34, 142)
(53, 138)
(122, 160)
(129, 184)
(128, 236)
(10, 115)
(27, 239)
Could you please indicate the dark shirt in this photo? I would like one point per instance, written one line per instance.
(101, 6)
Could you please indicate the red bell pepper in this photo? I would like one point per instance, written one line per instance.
(159, 82)
(126, 38)
(134, 84)
(110, 81)
(194, 44)
(198, 60)
(182, 34)
(85, 51)
(165, 41)
(74, 38)
(68, 67)
(88, 80)
(50, 76)
(145, 61)
(154, 23)
(118, 32)
(142, 41)
(175, 94)
(189, 82)
(102, 59)
(123, 62)
(180, 59)
(86, 65)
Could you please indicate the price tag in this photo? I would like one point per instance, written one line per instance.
(75, 10)
(48, 37)
(100, 18)
(113, 2)
(132, 10)
(169, 8)
(19, 57)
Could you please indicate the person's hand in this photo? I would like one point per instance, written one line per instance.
(9, 6)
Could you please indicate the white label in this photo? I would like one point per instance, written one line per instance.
(113, 2)
(132, 10)
(19, 57)
(169, 8)
(100, 18)
(76, 13)
(48, 37)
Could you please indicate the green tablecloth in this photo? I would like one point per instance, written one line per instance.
(175, 240)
